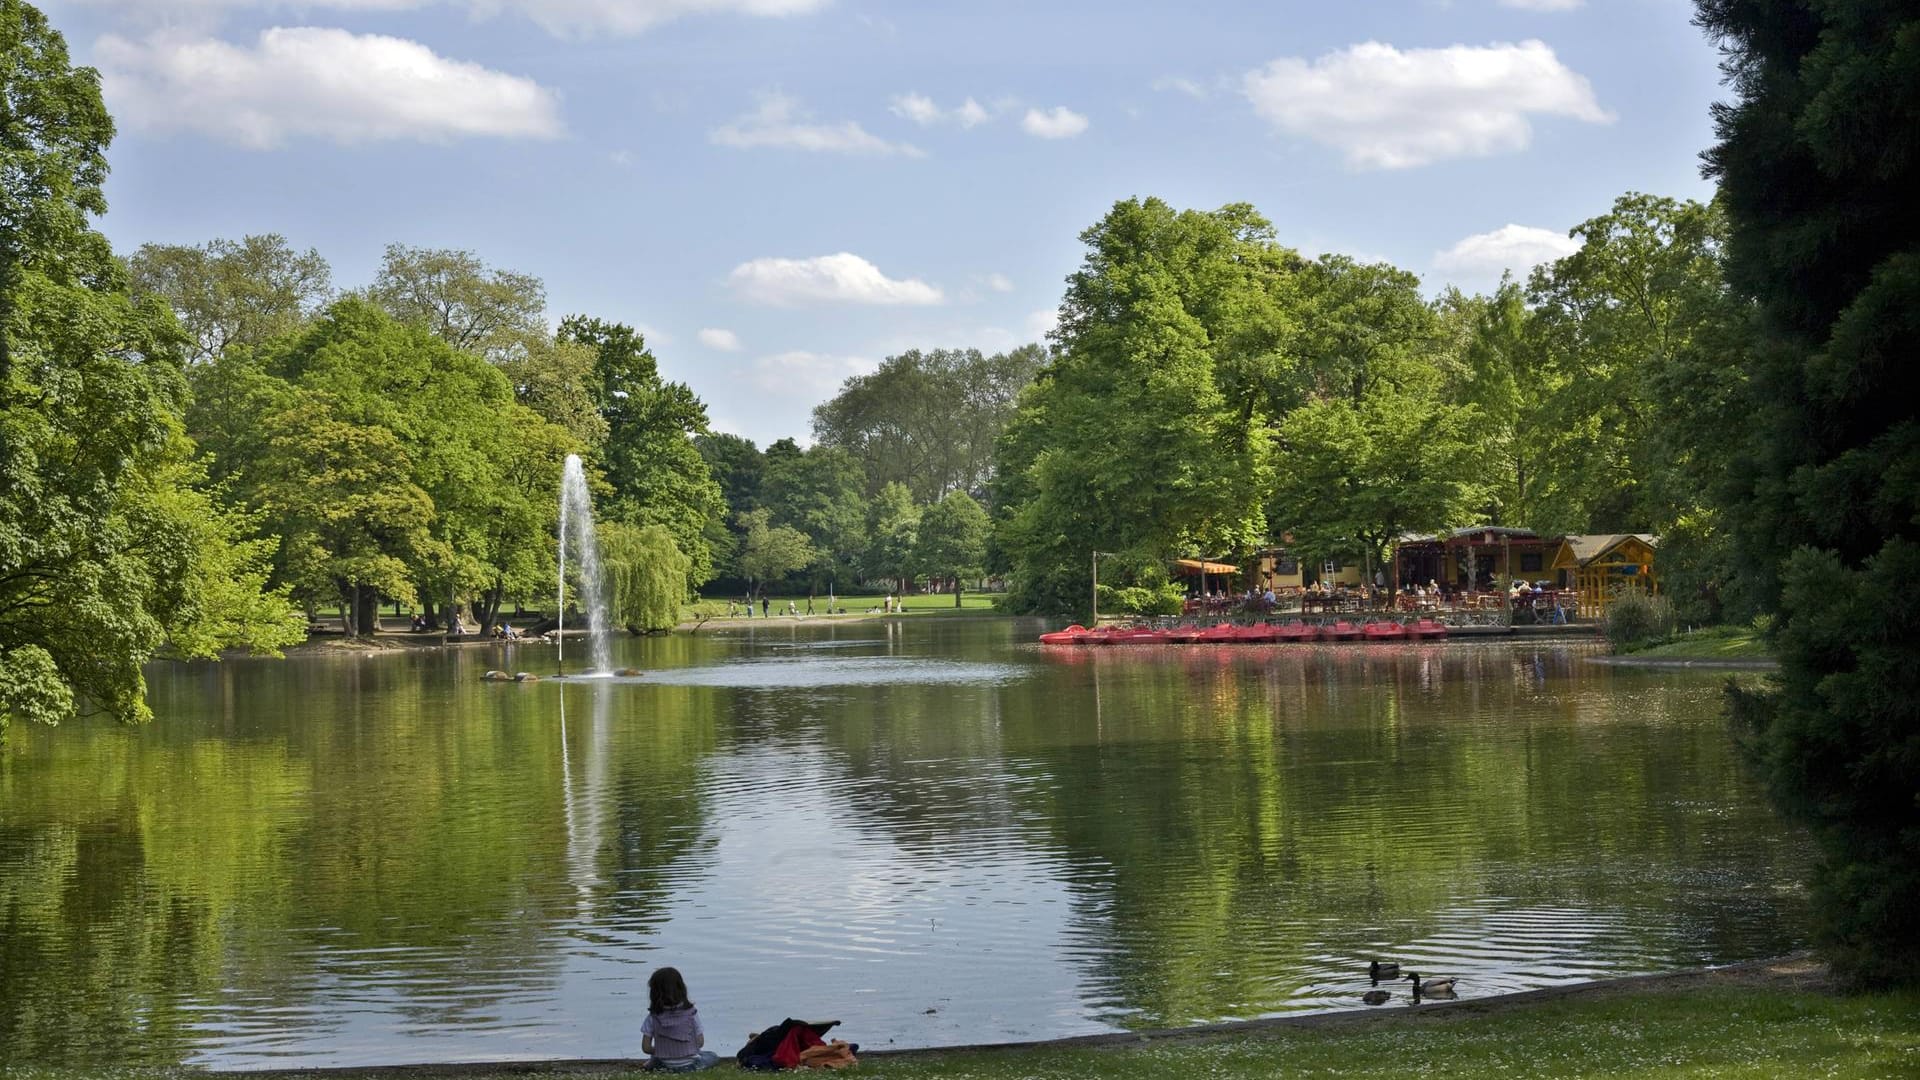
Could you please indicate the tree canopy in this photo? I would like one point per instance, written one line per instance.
(1817, 160)
(109, 548)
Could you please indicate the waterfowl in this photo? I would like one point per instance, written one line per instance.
(1376, 997)
(1377, 971)
(1431, 987)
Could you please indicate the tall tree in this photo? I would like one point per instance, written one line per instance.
(461, 300)
(928, 420)
(657, 473)
(952, 540)
(819, 491)
(769, 552)
(1131, 441)
(107, 549)
(227, 293)
(1818, 158)
(646, 576)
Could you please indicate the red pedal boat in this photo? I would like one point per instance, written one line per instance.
(1426, 628)
(1072, 635)
(1341, 631)
(1385, 631)
(1218, 635)
(1257, 634)
(1296, 631)
(1139, 636)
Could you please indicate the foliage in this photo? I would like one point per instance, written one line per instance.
(769, 552)
(1166, 599)
(656, 471)
(1637, 617)
(459, 299)
(230, 294)
(646, 576)
(820, 492)
(107, 547)
(893, 531)
(1134, 439)
(1817, 159)
(928, 420)
(952, 540)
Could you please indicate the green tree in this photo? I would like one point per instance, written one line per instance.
(928, 420)
(952, 540)
(646, 576)
(107, 547)
(893, 524)
(461, 300)
(656, 471)
(1354, 477)
(1133, 439)
(769, 552)
(1818, 158)
(228, 293)
(820, 491)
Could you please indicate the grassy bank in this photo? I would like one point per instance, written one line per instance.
(1708, 643)
(918, 604)
(1768, 1020)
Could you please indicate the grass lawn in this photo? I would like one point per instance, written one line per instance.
(1711, 643)
(919, 604)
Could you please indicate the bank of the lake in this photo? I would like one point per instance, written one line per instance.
(1766, 1019)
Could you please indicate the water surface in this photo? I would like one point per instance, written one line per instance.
(935, 832)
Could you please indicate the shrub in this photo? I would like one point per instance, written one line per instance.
(1637, 617)
(1166, 599)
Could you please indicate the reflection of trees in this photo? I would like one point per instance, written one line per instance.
(392, 829)
(1268, 812)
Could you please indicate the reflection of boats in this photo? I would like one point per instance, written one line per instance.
(1385, 631)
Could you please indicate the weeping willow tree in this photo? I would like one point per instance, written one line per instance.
(646, 575)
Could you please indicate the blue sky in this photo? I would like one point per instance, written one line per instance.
(785, 192)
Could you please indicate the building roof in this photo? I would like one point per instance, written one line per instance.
(1590, 546)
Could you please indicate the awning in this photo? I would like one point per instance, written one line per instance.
(1197, 566)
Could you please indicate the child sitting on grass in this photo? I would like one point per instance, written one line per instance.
(670, 1036)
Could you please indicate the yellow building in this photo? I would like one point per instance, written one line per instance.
(1599, 566)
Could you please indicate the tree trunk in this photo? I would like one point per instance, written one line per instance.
(489, 606)
(956, 588)
(366, 611)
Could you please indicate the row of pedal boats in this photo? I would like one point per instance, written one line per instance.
(1256, 634)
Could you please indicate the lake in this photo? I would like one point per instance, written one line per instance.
(932, 830)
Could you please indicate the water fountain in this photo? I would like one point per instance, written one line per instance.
(576, 531)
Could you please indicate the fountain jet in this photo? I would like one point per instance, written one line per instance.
(577, 536)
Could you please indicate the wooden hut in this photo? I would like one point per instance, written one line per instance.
(1468, 560)
(1599, 565)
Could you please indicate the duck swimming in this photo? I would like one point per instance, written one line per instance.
(1376, 997)
(1377, 971)
(1439, 988)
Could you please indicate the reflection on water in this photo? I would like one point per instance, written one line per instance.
(935, 832)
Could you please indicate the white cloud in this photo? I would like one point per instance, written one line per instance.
(1543, 5)
(1511, 247)
(998, 282)
(563, 18)
(1058, 122)
(971, 114)
(780, 122)
(844, 277)
(307, 81)
(1180, 85)
(1042, 322)
(800, 374)
(1388, 109)
(923, 111)
(722, 340)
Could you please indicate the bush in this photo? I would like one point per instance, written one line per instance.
(1167, 599)
(1637, 617)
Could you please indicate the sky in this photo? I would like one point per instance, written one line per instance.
(783, 193)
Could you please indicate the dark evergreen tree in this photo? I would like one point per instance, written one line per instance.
(1818, 160)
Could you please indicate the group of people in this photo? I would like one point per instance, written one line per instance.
(736, 607)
